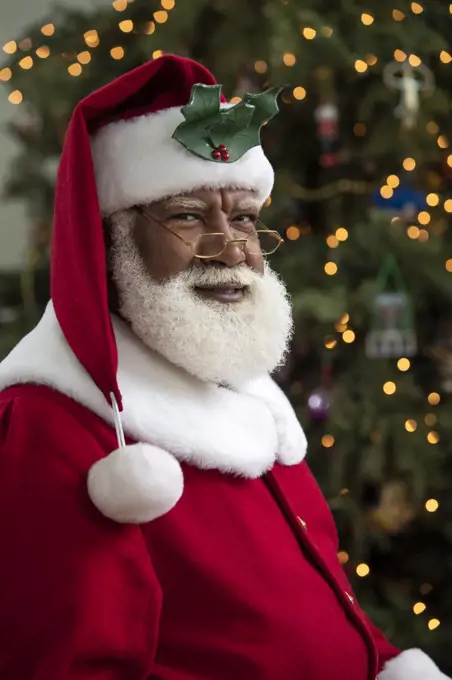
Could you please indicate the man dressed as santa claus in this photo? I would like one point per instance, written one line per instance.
(157, 517)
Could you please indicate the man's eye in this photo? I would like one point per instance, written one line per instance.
(246, 219)
(186, 217)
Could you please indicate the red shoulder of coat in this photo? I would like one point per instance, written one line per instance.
(33, 414)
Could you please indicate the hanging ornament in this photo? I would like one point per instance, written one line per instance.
(411, 82)
(319, 401)
(327, 119)
(326, 116)
(394, 511)
(406, 201)
(392, 333)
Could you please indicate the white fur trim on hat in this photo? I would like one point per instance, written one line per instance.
(135, 484)
(136, 161)
(411, 665)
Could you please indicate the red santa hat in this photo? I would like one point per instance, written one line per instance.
(137, 160)
(154, 132)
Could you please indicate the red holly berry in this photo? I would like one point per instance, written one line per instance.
(216, 154)
(222, 147)
(225, 155)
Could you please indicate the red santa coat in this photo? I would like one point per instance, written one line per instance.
(239, 580)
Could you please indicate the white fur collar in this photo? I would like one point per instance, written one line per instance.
(211, 427)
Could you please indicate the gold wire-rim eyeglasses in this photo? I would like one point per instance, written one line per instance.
(242, 242)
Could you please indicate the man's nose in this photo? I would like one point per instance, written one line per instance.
(235, 250)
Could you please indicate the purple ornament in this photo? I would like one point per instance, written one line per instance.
(319, 403)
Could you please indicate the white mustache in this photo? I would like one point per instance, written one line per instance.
(224, 277)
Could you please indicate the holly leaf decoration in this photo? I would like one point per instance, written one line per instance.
(240, 127)
(208, 126)
(233, 130)
(202, 110)
(265, 105)
(204, 102)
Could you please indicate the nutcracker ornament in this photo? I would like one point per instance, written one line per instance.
(411, 82)
(326, 117)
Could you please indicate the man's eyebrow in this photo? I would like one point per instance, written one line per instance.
(248, 204)
(186, 203)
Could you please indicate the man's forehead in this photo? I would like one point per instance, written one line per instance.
(242, 200)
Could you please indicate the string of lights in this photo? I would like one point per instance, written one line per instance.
(424, 217)
(389, 387)
(432, 505)
(91, 40)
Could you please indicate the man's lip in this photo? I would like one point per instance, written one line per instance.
(223, 292)
(222, 286)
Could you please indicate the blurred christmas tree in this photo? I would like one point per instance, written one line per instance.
(362, 185)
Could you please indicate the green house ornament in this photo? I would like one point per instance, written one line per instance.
(224, 134)
(392, 333)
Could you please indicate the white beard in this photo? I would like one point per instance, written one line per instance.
(226, 344)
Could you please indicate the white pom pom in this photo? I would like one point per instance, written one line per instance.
(411, 664)
(135, 484)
